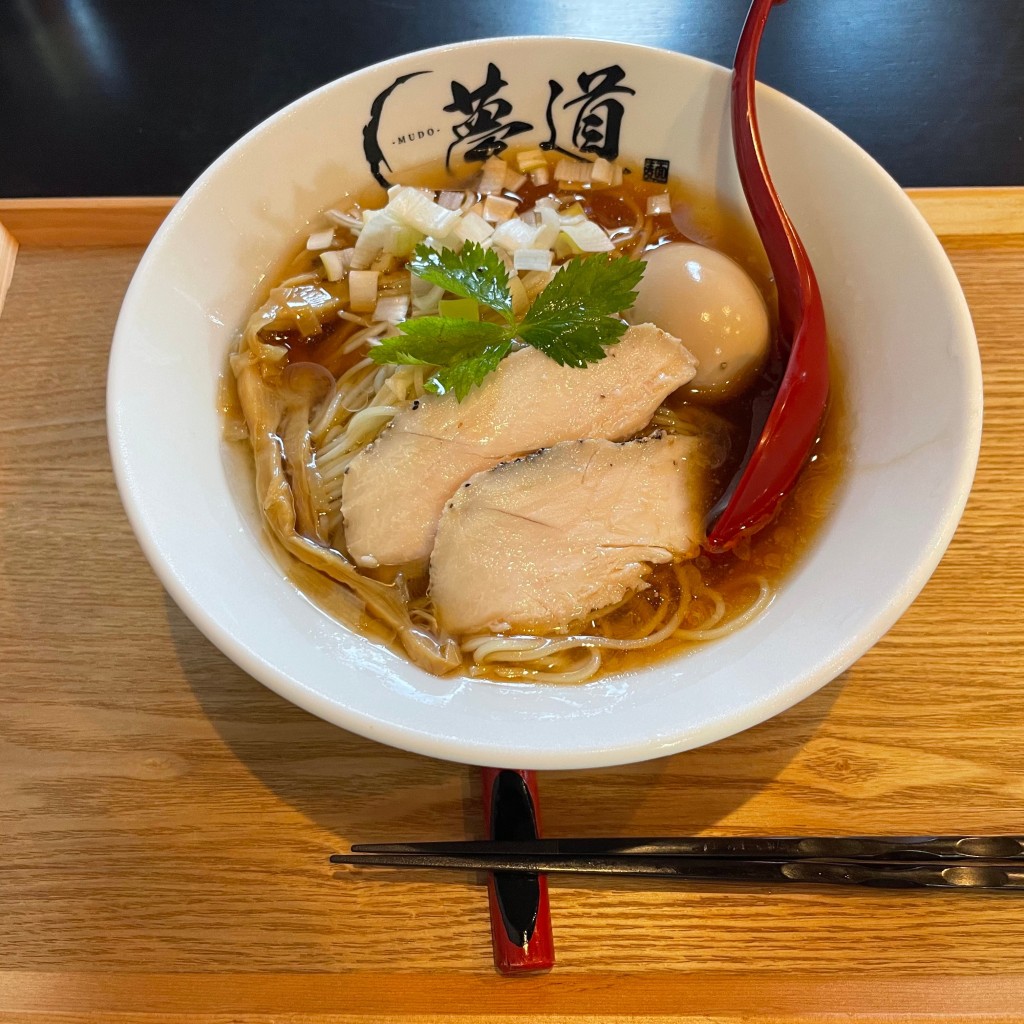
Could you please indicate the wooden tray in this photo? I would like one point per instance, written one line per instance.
(166, 820)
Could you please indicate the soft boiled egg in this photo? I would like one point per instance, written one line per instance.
(709, 303)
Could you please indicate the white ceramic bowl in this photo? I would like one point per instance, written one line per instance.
(895, 309)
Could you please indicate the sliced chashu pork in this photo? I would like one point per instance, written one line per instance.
(394, 491)
(547, 539)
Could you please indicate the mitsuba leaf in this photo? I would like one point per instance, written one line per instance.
(572, 319)
(438, 341)
(463, 377)
(473, 272)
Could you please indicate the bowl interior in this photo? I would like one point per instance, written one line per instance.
(899, 327)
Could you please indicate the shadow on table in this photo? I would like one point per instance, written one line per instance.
(363, 791)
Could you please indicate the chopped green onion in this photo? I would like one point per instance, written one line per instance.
(586, 236)
(564, 247)
(459, 309)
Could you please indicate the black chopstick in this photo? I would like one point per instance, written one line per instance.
(890, 848)
(964, 875)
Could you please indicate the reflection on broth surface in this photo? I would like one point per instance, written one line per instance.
(311, 400)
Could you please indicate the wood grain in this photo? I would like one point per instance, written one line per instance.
(166, 820)
(970, 212)
(8, 254)
(120, 220)
(65, 223)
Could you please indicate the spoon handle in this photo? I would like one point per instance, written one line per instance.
(792, 426)
(786, 253)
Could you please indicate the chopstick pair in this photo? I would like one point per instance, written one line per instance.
(891, 862)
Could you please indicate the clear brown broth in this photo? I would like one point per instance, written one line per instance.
(771, 553)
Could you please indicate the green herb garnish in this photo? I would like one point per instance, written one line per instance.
(473, 273)
(571, 321)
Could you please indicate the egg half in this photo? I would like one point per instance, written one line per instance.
(707, 301)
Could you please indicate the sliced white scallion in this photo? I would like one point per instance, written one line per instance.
(451, 241)
(520, 300)
(602, 171)
(514, 234)
(497, 209)
(336, 263)
(550, 226)
(425, 296)
(401, 240)
(429, 193)
(410, 206)
(398, 283)
(532, 259)
(451, 200)
(531, 160)
(568, 169)
(535, 281)
(320, 240)
(373, 238)
(351, 219)
(391, 308)
(659, 204)
(384, 263)
(506, 258)
(473, 228)
(514, 181)
(492, 177)
(362, 290)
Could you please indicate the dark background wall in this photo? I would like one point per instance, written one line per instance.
(138, 96)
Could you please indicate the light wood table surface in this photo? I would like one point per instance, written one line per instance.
(165, 821)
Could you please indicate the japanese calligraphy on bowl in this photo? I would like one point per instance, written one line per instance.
(485, 111)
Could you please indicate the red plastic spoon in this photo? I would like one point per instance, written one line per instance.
(792, 425)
